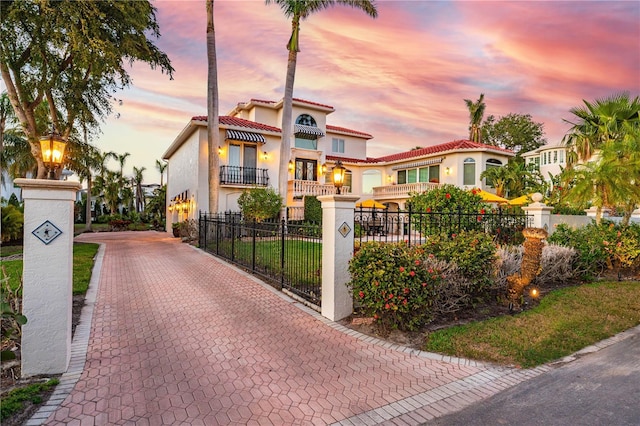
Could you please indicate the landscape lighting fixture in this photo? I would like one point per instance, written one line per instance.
(52, 148)
(338, 173)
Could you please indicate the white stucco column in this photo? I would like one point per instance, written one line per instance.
(541, 213)
(337, 250)
(47, 274)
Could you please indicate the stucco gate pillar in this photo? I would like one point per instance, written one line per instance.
(337, 250)
(47, 298)
(541, 213)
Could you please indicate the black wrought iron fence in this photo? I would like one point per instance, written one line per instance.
(286, 255)
(505, 225)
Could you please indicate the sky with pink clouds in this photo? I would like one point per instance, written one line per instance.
(402, 77)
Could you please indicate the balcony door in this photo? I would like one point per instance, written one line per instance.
(243, 160)
(306, 169)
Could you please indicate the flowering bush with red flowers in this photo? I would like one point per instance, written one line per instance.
(391, 283)
(601, 247)
(473, 252)
(440, 207)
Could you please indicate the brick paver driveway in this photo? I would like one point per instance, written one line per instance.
(179, 337)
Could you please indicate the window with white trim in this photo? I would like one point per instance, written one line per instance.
(337, 145)
(421, 174)
(469, 171)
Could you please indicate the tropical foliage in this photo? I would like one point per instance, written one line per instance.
(260, 204)
(604, 160)
(476, 113)
(76, 70)
(297, 11)
(517, 132)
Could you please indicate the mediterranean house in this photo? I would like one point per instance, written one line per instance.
(250, 150)
(549, 159)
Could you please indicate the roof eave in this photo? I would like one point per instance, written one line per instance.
(182, 137)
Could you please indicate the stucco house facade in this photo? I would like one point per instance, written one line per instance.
(549, 159)
(250, 150)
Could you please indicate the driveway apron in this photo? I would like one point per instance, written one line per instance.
(179, 337)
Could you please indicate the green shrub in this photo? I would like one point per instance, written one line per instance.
(391, 284)
(12, 318)
(446, 199)
(442, 207)
(312, 209)
(606, 246)
(12, 223)
(260, 204)
(473, 252)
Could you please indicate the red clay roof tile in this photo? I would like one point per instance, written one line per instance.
(239, 122)
(345, 130)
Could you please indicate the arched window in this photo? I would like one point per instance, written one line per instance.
(491, 162)
(306, 132)
(306, 120)
(469, 171)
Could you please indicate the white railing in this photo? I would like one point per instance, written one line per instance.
(300, 188)
(402, 190)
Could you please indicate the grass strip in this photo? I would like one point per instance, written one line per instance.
(83, 254)
(14, 400)
(564, 322)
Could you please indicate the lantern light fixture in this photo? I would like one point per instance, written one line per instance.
(338, 173)
(52, 148)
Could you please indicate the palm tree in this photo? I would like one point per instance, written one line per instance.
(100, 181)
(122, 159)
(612, 127)
(84, 159)
(476, 113)
(605, 120)
(498, 177)
(161, 166)
(604, 182)
(137, 181)
(298, 10)
(213, 125)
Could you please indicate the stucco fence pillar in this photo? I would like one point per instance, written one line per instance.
(337, 250)
(540, 212)
(47, 294)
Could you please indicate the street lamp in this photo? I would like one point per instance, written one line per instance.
(338, 173)
(52, 148)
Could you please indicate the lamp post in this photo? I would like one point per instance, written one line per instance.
(338, 173)
(52, 148)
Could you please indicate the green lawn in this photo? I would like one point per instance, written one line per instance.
(83, 254)
(302, 257)
(564, 322)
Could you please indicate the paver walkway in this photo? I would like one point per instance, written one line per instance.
(179, 337)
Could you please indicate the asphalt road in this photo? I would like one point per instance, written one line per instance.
(600, 388)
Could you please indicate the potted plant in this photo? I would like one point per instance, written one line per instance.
(175, 226)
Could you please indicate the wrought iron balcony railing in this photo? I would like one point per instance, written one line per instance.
(250, 176)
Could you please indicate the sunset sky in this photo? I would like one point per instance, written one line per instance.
(401, 77)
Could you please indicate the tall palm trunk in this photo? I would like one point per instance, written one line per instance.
(213, 125)
(287, 122)
(87, 207)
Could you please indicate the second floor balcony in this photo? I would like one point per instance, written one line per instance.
(243, 176)
(300, 188)
(401, 191)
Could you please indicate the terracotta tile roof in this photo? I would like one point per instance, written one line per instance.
(345, 130)
(313, 103)
(239, 122)
(444, 147)
(352, 160)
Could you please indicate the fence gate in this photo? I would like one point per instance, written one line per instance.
(287, 255)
